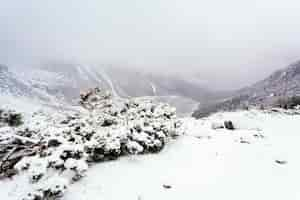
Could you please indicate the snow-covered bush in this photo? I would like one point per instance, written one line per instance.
(66, 143)
(79, 167)
(51, 189)
(288, 102)
(10, 118)
(134, 148)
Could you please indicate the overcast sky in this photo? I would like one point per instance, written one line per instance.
(227, 43)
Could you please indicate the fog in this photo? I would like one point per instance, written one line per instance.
(226, 44)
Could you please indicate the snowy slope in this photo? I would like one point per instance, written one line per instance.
(60, 83)
(133, 82)
(203, 164)
(281, 84)
(15, 87)
(11, 85)
(208, 164)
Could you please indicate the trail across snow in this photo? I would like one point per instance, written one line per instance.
(203, 164)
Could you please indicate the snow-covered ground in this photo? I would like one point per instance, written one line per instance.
(205, 164)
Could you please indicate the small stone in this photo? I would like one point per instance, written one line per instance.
(244, 142)
(53, 143)
(108, 122)
(229, 125)
(167, 186)
(281, 162)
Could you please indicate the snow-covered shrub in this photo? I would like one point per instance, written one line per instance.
(105, 130)
(134, 148)
(79, 167)
(10, 118)
(288, 102)
(75, 151)
(23, 164)
(37, 167)
(52, 189)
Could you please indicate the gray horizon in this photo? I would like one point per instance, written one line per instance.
(226, 45)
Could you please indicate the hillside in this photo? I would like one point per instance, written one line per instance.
(137, 147)
(279, 86)
(60, 83)
(257, 160)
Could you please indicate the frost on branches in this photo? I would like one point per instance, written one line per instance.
(56, 149)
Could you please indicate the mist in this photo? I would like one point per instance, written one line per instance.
(224, 44)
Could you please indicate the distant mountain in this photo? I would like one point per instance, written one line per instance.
(61, 83)
(135, 83)
(282, 84)
(9, 84)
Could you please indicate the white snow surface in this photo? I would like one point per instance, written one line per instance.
(204, 163)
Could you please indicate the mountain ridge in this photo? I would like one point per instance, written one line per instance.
(281, 84)
(61, 83)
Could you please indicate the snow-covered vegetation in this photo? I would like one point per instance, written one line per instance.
(113, 148)
(55, 150)
(257, 160)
